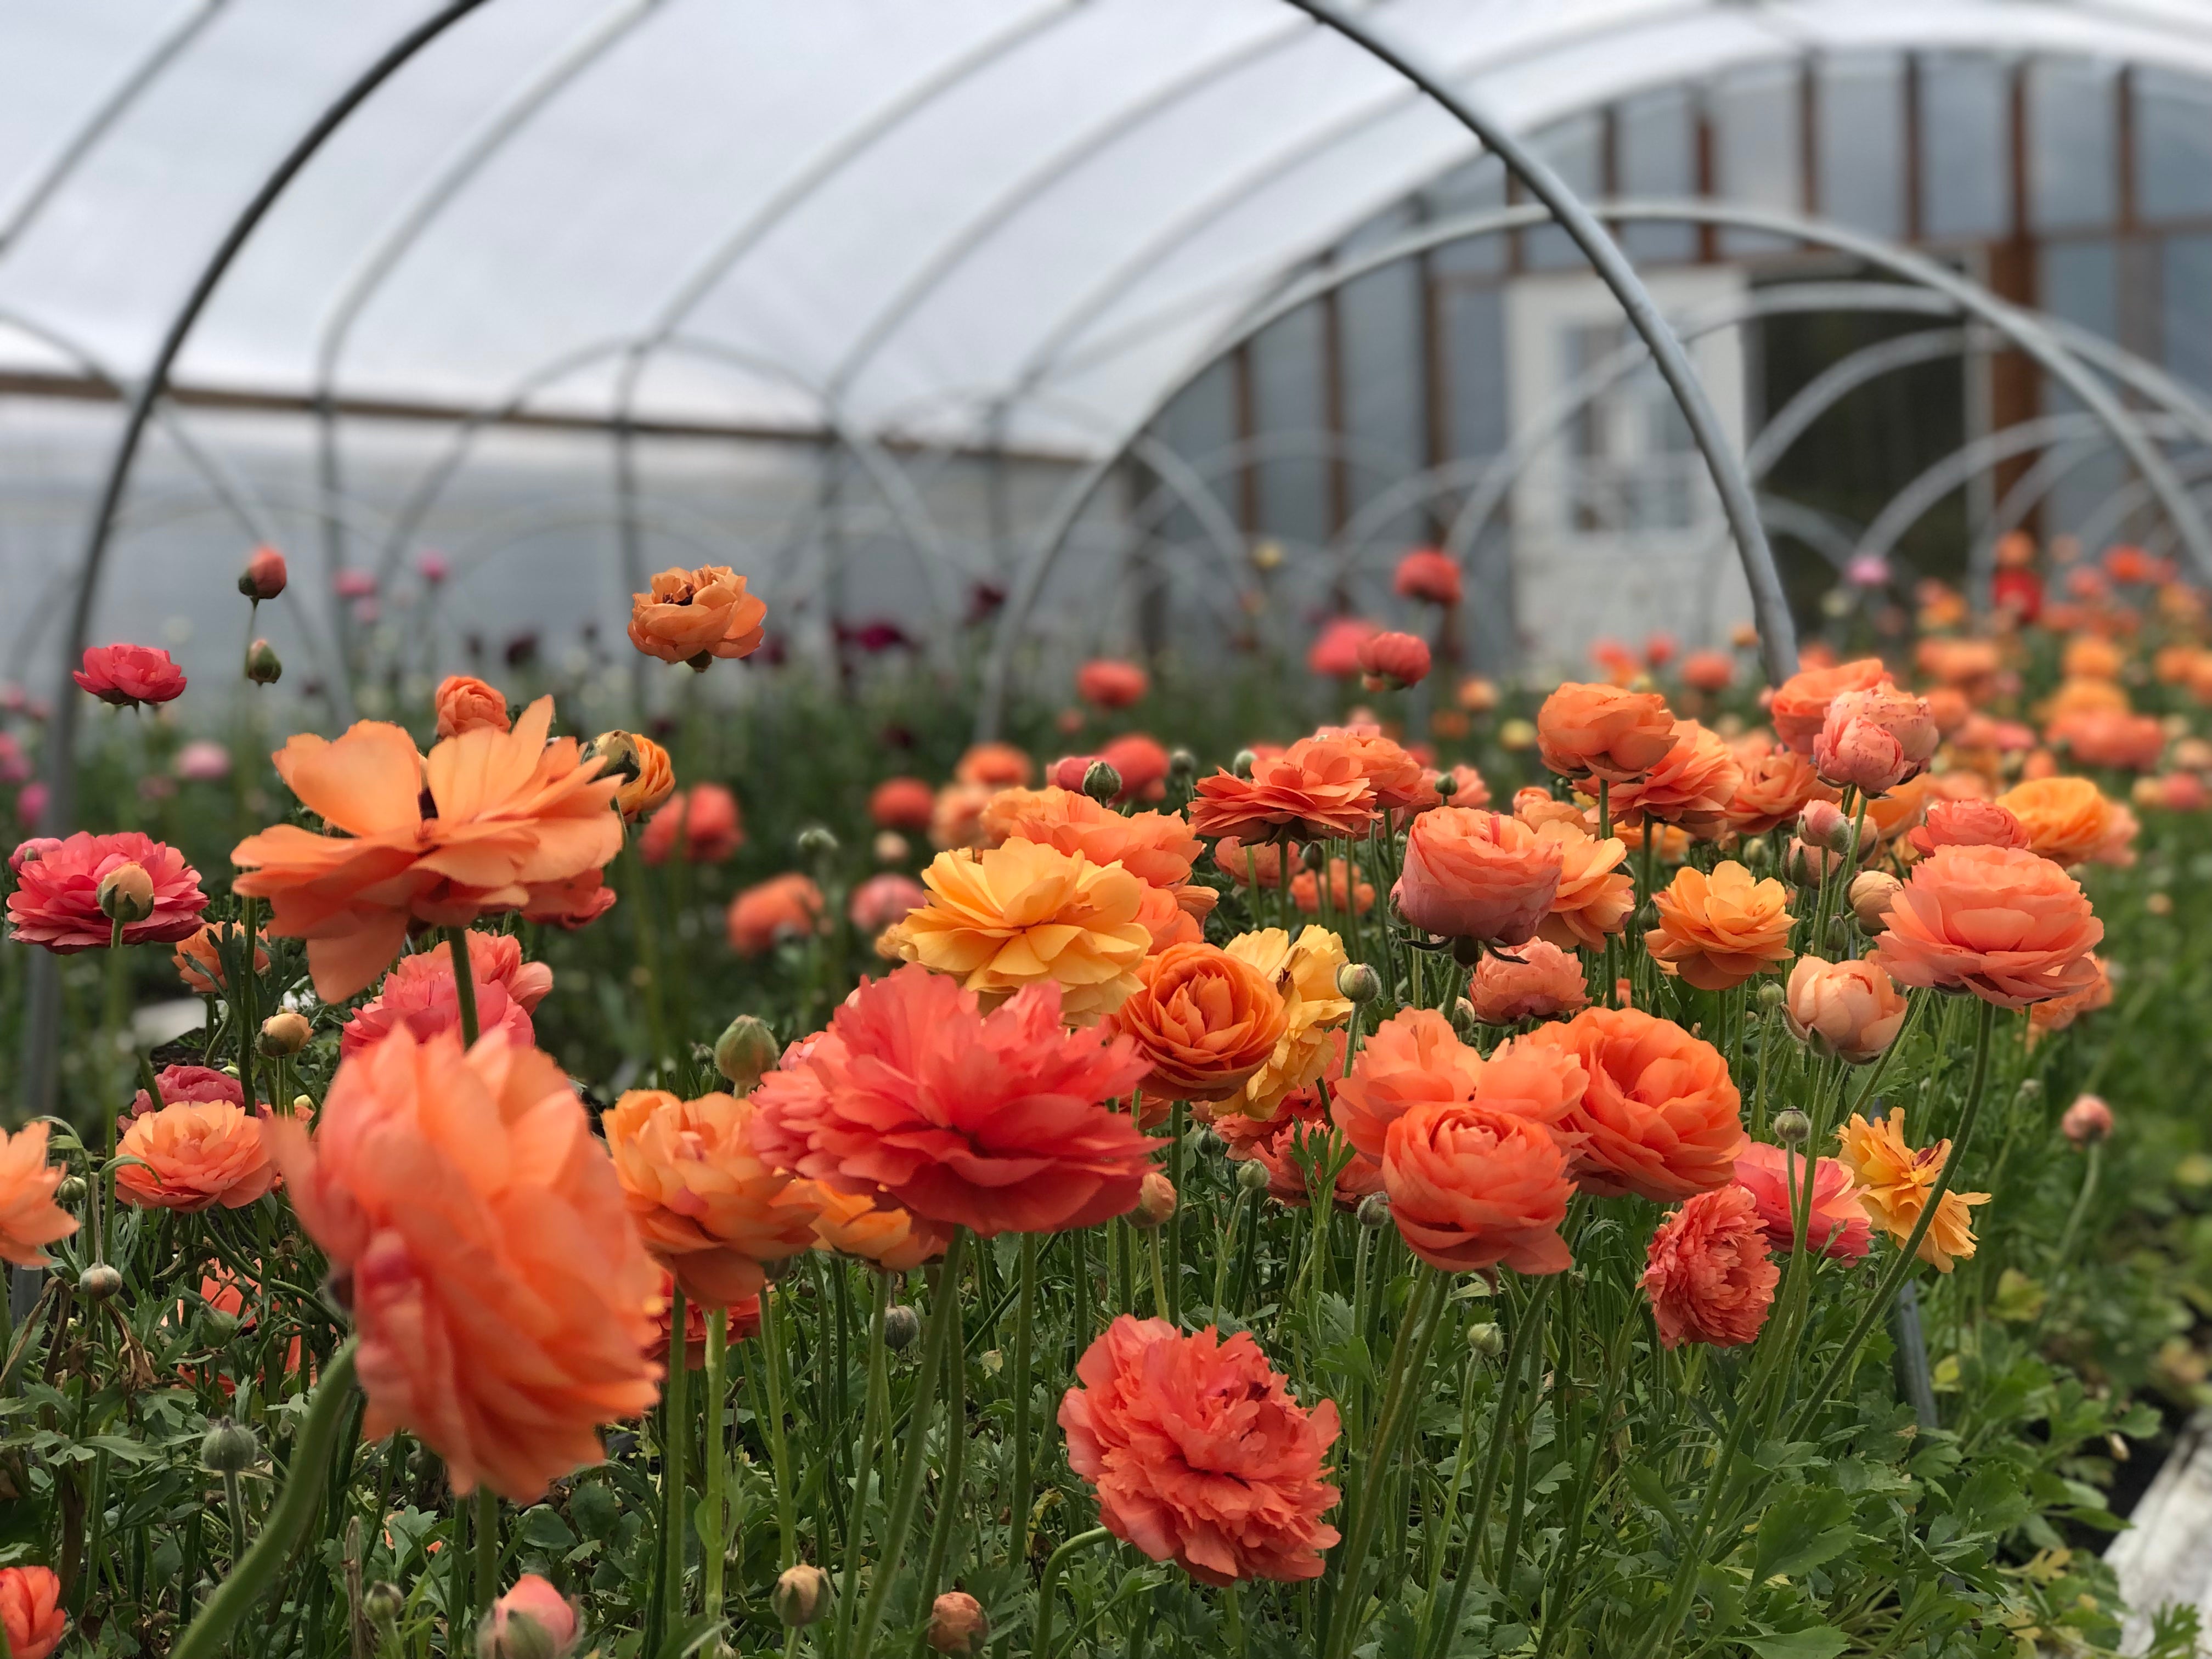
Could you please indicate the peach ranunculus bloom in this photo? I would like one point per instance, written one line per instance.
(1660, 1117)
(1199, 1454)
(2067, 820)
(706, 1206)
(421, 993)
(2059, 1012)
(31, 1611)
(1303, 971)
(1691, 786)
(2008, 926)
(1156, 847)
(861, 1226)
(1849, 1010)
(1873, 740)
(1412, 1057)
(645, 775)
(29, 1218)
(1536, 808)
(956, 816)
(1837, 1225)
(1313, 791)
(498, 1287)
(696, 616)
(516, 818)
(1967, 823)
(2122, 742)
(1894, 1181)
(995, 1122)
(1400, 781)
(788, 906)
(1595, 894)
(1801, 702)
(1016, 915)
(194, 1155)
(995, 765)
(199, 963)
(1347, 892)
(2074, 698)
(699, 825)
(1246, 863)
(1720, 930)
(1539, 981)
(465, 703)
(1709, 1271)
(1473, 1185)
(2091, 657)
(1603, 732)
(1469, 873)
(1204, 1020)
(1774, 789)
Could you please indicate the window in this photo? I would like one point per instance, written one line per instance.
(1758, 147)
(1656, 144)
(2173, 146)
(1859, 130)
(1964, 153)
(2073, 134)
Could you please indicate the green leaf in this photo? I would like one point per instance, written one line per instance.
(1814, 1642)
(1804, 1527)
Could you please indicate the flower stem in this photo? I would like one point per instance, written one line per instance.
(956, 1444)
(717, 1458)
(486, 1542)
(465, 992)
(1041, 1648)
(1017, 1507)
(674, 1422)
(775, 1374)
(872, 1422)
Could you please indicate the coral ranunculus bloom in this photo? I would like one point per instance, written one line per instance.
(1545, 983)
(193, 1155)
(515, 820)
(1396, 774)
(1199, 1454)
(497, 1283)
(1775, 787)
(2122, 743)
(176, 1083)
(2008, 926)
(1709, 671)
(901, 804)
(128, 675)
(1801, 702)
(1428, 574)
(1967, 823)
(1204, 1020)
(56, 902)
(699, 825)
(1847, 1009)
(2059, 1012)
(1708, 1273)
(1394, 659)
(1474, 874)
(784, 906)
(465, 703)
(1595, 894)
(1837, 1226)
(1692, 786)
(1661, 1117)
(704, 1202)
(1473, 1185)
(1720, 930)
(1304, 972)
(995, 765)
(1346, 895)
(421, 993)
(1894, 1181)
(1414, 1057)
(883, 900)
(199, 964)
(694, 616)
(1311, 791)
(1603, 732)
(1143, 764)
(996, 1122)
(29, 1218)
(1107, 683)
(31, 1611)
(864, 1228)
(1873, 740)
(1335, 652)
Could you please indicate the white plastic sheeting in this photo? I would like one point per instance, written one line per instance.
(939, 208)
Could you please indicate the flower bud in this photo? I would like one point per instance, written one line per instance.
(956, 1624)
(801, 1595)
(382, 1603)
(1156, 1201)
(1358, 982)
(1374, 1211)
(1807, 863)
(1252, 1177)
(1464, 1019)
(901, 1325)
(1792, 1127)
(1870, 894)
(126, 893)
(1770, 993)
(533, 1620)
(2088, 1120)
(2031, 1088)
(228, 1448)
(263, 666)
(264, 574)
(285, 1033)
(1822, 823)
(1757, 852)
(72, 1190)
(1182, 765)
(745, 1052)
(99, 1282)
(1101, 782)
(1485, 1340)
(1243, 765)
(817, 841)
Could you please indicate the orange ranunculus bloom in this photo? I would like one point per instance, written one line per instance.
(1967, 822)
(696, 616)
(704, 1203)
(199, 964)
(1412, 1057)
(516, 818)
(497, 1283)
(194, 1155)
(646, 776)
(1776, 785)
(858, 1226)
(2091, 657)
(1720, 930)
(1346, 894)
(788, 906)
(1801, 702)
(29, 1218)
(1660, 1117)
(1595, 894)
(1156, 847)
(901, 804)
(1837, 1224)
(1709, 671)
(1469, 873)
(1304, 972)
(1965, 665)
(1204, 1020)
(1199, 1454)
(1025, 912)
(1691, 785)
(465, 703)
(1474, 1185)
(1591, 730)
(1547, 981)
(701, 825)
(2059, 1012)
(1313, 791)
(2011, 927)
(1537, 809)
(1400, 780)
(1894, 1182)
(2077, 697)
(1709, 1271)
(31, 1611)
(1110, 683)
(2122, 743)
(1847, 1009)
(995, 765)
(956, 818)
(1245, 863)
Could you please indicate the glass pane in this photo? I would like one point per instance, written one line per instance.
(1859, 121)
(1474, 374)
(1478, 187)
(1656, 137)
(1385, 384)
(2073, 134)
(2173, 145)
(1287, 398)
(1758, 147)
(2186, 318)
(1963, 151)
(1576, 150)
(2081, 281)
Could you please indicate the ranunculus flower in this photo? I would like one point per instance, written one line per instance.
(2009, 926)
(498, 1287)
(1801, 702)
(784, 907)
(1344, 896)
(1660, 1117)
(1394, 659)
(265, 575)
(1107, 683)
(422, 994)
(200, 965)
(1474, 874)
(1335, 652)
(1414, 1057)
(1427, 574)
(196, 1084)
(1837, 1226)
(1720, 930)
(533, 1601)
(996, 1122)
(882, 899)
(866, 1228)
(202, 761)
(1304, 972)
(193, 1155)
(2122, 742)
(1708, 1273)
(1142, 764)
(956, 816)
(570, 904)
(1545, 983)
(1313, 791)
(56, 902)
(694, 615)
(901, 804)
(2067, 820)
(1873, 740)
(1894, 1181)
(1967, 823)
(1204, 1020)
(1256, 862)
(1709, 672)
(1199, 1453)
(996, 765)
(1595, 894)
(1776, 786)
(1471, 1186)
(1692, 786)
(2059, 1012)
(956, 1624)
(1399, 779)
(2088, 1120)
(465, 703)
(1293, 1137)
(30, 1609)
(1156, 847)
(29, 1218)
(1603, 732)
(1849, 1009)
(128, 675)
(699, 825)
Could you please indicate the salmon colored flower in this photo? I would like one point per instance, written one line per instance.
(1894, 1181)
(533, 1620)
(1428, 575)
(1246, 863)
(1692, 786)
(1873, 740)
(570, 904)
(1199, 1454)
(996, 1122)
(56, 902)
(1344, 896)
(2122, 743)
(475, 1224)
(1143, 764)
(696, 616)
(1660, 1117)
(784, 906)
(1846, 1009)
(1204, 1020)
(1775, 787)
(883, 900)
(2059, 1012)
(2011, 927)
(1394, 659)
(1536, 808)
(1474, 874)
(1414, 1057)
(699, 825)
(1545, 983)
(128, 675)
(1311, 791)
(2088, 1121)
(864, 1228)
(1710, 672)
(995, 765)
(1106, 682)
(1471, 1186)
(645, 775)
(515, 820)
(1720, 930)
(29, 1218)
(705, 1204)
(1967, 823)
(1837, 1224)
(1969, 666)
(31, 1611)
(901, 804)
(1023, 913)
(1396, 774)
(199, 1084)
(465, 703)
(2076, 697)
(421, 993)
(1603, 732)
(1801, 702)
(193, 1155)
(198, 963)
(1334, 653)
(956, 816)
(1595, 894)
(1304, 972)
(1708, 1273)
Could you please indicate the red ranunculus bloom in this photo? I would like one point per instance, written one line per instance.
(196, 1084)
(1710, 1277)
(127, 675)
(57, 901)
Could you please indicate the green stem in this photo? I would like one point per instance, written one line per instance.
(871, 1421)
(1042, 1647)
(717, 1458)
(948, 1482)
(487, 1543)
(779, 1439)
(465, 992)
(1017, 1509)
(675, 1421)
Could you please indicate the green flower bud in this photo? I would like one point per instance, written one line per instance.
(1102, 782)
(745, 1051)
(1375, 1212)
(99, 1282)
(1252, 1176)
(263, 666)
(801, 1595)
(901, 1325)
(228, 1448)
(1792, 1127)
(1485, 1340)
(1358, 982)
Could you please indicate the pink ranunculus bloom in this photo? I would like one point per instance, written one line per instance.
(1837, 1226)
(882, 900)
(202, 761)
(421, 994)
(14, 764)
(127, 675)
(699, 825)
(535, 1600)
(57, 901)
(31, 803)
(198, 1084)
(1335, 652)
(355, 584)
